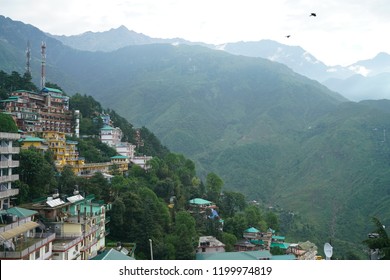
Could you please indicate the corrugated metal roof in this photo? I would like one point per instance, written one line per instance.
(55, 202)
(18, 230)
(21, 212)
(75, 198)
(113, 255)
(200, 201)
(248, 255)
(252, 230)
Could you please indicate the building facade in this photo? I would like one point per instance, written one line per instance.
(7, 165)
(47, 110)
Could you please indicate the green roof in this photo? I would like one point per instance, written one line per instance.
(280, 245)
(252, 230)
(21, 212)
(112, 255)
(246, 255)
(9, 99)
(119, 157)
(283, 257)
(200, 201)
(31, 139)
(47, 89)
(277, 237)
(107, 127)
(257, 242)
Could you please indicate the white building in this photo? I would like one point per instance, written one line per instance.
(209, 244)
(110, 135)
(6, 166)
(125, 149)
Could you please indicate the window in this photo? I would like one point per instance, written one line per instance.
(37, 254)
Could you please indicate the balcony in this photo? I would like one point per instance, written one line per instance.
(10, 136)
(9, 193)
(28, 246)
(9, 163)
(9, 150)
(9, 178)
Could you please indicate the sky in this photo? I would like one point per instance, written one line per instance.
(343, 32)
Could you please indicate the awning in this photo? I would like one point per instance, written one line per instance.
(18, 230)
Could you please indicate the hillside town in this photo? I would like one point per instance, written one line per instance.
(62, 227)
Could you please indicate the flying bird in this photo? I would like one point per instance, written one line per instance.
(288, 36)
(313, 15)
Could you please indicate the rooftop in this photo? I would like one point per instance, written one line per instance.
(247, 255)
(113, 255)
(200, 201)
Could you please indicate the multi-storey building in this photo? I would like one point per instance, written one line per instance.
(79, 225)
(110, 135)
(47, 110)
(20, 235)
(22, 238)
(7, 165)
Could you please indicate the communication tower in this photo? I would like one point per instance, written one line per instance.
(43, 69)
(28, 58)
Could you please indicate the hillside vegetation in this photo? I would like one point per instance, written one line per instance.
(274, 135)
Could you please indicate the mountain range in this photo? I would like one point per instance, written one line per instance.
(282, 138)
(364, 79)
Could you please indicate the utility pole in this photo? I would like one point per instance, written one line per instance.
(151, 249)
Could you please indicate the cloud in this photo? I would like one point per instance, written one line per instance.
(342, 33)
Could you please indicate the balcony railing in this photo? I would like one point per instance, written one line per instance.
(9, 193)
(9, 150)
(10, 136)
(9, 164)
(9, 178)
(21, 254)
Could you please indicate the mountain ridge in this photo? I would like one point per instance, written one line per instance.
(294, 57)
(284, 139)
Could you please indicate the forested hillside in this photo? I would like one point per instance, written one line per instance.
(269, 133)
(145, 204)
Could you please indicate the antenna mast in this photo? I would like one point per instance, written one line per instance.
(28, 58)
(43, 70)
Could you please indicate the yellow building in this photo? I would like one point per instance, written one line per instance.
(122, 162)
(35, 142)
(65, 153)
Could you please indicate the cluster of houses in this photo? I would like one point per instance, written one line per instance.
(254, 245)
(57, 227)
(44, 120)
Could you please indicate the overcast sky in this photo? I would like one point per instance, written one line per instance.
(343, 32)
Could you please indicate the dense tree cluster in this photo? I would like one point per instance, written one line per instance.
(14, 81)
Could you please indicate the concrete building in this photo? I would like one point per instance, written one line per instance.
(20, 234)
(79, 225)
(110, 135)
(209, 244)
(7, 165)
(47, 110)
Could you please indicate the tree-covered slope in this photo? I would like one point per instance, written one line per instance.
(280, 138)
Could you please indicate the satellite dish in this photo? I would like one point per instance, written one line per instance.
(328, 250)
